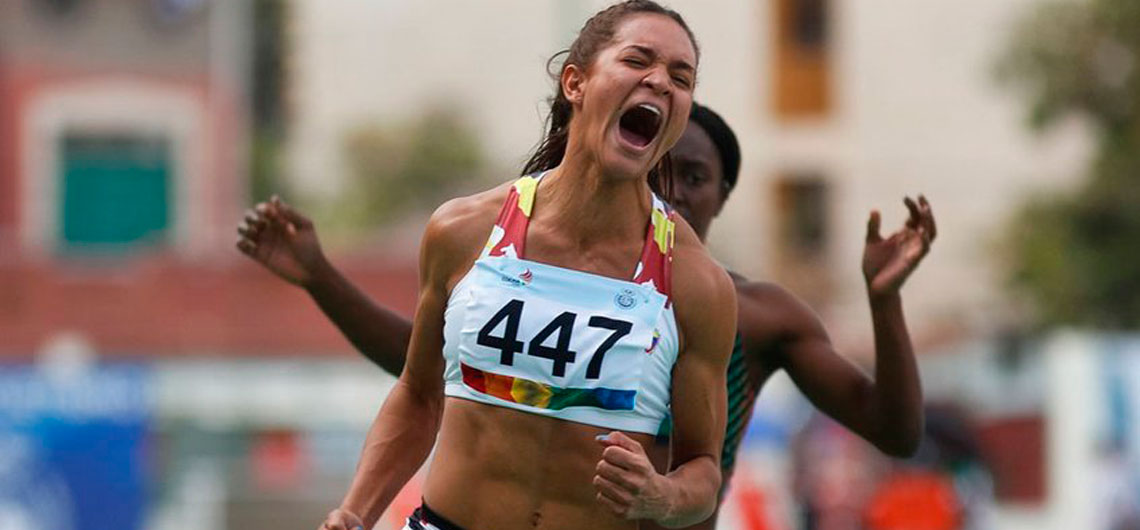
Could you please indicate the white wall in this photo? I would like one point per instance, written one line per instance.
(358, 61)
(920, 112)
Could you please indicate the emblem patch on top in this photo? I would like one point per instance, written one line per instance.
(625, 299)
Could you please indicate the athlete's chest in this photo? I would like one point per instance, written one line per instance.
(614, 260)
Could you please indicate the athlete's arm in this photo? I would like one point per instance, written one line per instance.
(705, 306)
(706, 313)
(405, 429)
(284, 241)
(886, 410)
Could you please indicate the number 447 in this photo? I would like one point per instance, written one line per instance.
(561, 354)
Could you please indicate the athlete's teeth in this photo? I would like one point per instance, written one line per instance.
(651, 108)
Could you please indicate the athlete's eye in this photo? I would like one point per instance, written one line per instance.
(682, 81)
(635, 61)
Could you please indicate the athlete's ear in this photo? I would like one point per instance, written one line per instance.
(573, 81)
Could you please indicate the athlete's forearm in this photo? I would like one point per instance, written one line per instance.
(897, 396)
(400, 439)
(379, 334)
(693, 488)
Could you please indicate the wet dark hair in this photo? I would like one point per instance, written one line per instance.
(595, 35)
(724, 140)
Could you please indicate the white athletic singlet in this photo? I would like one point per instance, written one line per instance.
(564, 343)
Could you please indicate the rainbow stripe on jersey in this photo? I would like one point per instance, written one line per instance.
(543, 396)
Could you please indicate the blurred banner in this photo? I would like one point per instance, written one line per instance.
(73, 448)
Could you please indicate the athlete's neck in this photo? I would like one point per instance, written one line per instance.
(591, 207)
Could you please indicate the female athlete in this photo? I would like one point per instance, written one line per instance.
(543, 359)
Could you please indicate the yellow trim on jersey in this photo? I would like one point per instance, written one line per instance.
(664, 230)
(526, 187)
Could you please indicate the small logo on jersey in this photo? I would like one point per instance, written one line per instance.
(521, 279)
(653, 345)
(625, 299)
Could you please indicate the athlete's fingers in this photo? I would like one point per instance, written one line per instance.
(334, 525)
(613, 506)
(262, 208)
(613, 491)
(613, 498)
(254, 225)
(246, 246)
(274, 212)
(340, 520)
(291, 215)
(622, 457)
(620, 439)
(255, 220)
(873, 223)
(616, 475)
(928, 217)
(926, 239)
(915, 217)
(269, 213)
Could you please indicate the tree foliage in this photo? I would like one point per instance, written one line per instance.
(1077, 256)
(411, 167)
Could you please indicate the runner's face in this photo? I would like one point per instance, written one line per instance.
(697, 179)
(635, 97)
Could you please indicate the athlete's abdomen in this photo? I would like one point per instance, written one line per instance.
(503, 469)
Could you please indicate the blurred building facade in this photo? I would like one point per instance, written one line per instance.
(141, 102)
(124, 169)
(152, 376)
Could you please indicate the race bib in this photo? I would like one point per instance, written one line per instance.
(553, 338)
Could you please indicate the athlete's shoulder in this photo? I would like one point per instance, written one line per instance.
(692, 261)
(465, 213)
(458, 229)
(702, 289)
(763, 293)
(769, 313)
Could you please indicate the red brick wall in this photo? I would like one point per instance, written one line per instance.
(160, 307)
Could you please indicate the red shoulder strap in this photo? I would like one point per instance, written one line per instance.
(656, 265)
(508, 237)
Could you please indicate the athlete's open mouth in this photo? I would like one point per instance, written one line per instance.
(640, 124)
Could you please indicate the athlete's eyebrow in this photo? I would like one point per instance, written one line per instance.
(679, 64)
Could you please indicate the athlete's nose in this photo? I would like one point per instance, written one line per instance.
(657, 79)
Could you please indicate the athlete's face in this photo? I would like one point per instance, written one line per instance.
(632, 103)
(698, 179)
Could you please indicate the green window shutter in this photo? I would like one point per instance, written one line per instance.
(115, 192)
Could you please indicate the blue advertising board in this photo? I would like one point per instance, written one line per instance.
(73, 450)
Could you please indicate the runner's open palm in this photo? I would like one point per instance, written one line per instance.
(888, 262)
(281, 239)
